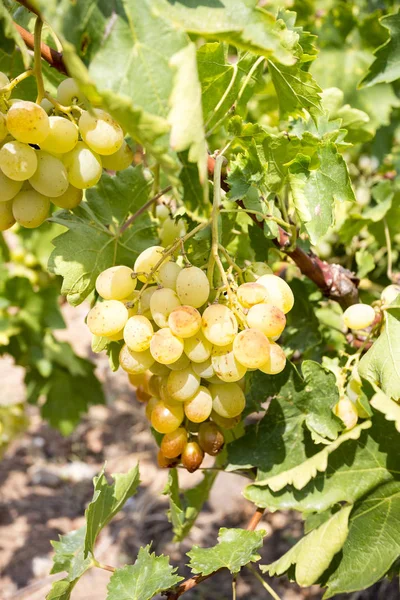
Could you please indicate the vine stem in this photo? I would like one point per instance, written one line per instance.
(265, 585)
(37, 54)
(389, 251)
(143, 209)
(51, 56)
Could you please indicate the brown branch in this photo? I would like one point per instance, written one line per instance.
(54, 58)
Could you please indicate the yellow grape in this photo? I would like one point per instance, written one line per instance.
(228, 399)
(219, 325)
(390, 293)
(210, 438)
(83, 166)
(251, 348)
(50, 177)
(30, 208)
(101, 132)
(63, 136)
(141, 394)
(251, 293)
(135, 362)
(107, 318)
(276, 361)
(8, 187)
(165, 418)
(165, 347)
(224, 422)
(225, 365)
(180, 364)
(160, 370)
(120, 160)
(173, 444)
(6, 215)
(139, 379)
(198, 348)
(359, 316)
(192, 287)
(116, 337)
(3, 127)
(347, 412)
(162, 303)
(168, 274)
(149, 407)
(192, 457)
(255, 270)
(69, 93)
(18, 161)
(267, 318)
(69, 199)
(279, 293)
(116, 283)
(199, 406)
(162, 212)
(183, 384)
(138, 332)
(184, 321)
(147, 260)
(28, 122)
(144, 301)
(204, 369)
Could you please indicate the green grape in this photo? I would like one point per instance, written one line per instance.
(353, 389)
(184, 321)
(83, 166)
(8, 187)
(250, 294)
(107, 318)
(3, 127)
(149, 407)
(219, 325)
(28, 122)
(173, 444)
(120, 160)
(279, 293)
(359, 316)
(69, 93)
(162, 212)
(266, 318)
(224, 422)
(162, 303)
(165, 418)
(4, 81)
(168, 274)
(171, 229)
(69, 199)
(192, 457)
(347, 412)
(204, 369)
(276, 361)
(180, 364)
(6, 215)
(251, 348)
(30, 209)
(225, 365)
(63, 136)
(165, 347)
(228, 399)
(101, 132)
(147, 260)
(18, 161)
(210, 438)
(134, 362)
(192, 287)
(50, 177)
(116, 283)
(390, 293)
(47, 106)
(198, 348)
(183, 384)
(255, 270)
(144, 301)
(199, 406)
(138, 332)
(160, 370)
(154, 385)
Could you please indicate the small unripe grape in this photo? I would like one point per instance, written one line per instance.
(251, 348)
(147, 260)
(228, 399)
(162, 303)
(8, 187)
(47, 106)
(198, 348)
(165, 418)
(18, 161)
(219, 325)
(166, 463)
(204, 369)
(83, 166)
(171, 229)
(28, 122)
(224, 422)
(192, 287)
(267, 318)
(50, 177)
(30, 208)
(120, 160)
(211, 438)
(138, 332)
(192, 457)
(149, 407)
(6, 215)
(160, 370)
(116, 283)
(69, 93)
(279, 293)
(182, 363)
(62, 138)
(101, 132)
(359, 316)
(69, 199)
(390, 293)
(168, 274)
(184, 321)
(162, 212)
(4, 81)
(183, 384)
(347, 412)
(199, 406)
(135, 362)
(107, 318)
(251, 293)
(165, 347)
(276, 361)
(173, 444)
(225, 365)
(256, 270)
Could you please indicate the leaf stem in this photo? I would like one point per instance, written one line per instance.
(234, 587)
(259, 214)
(37, 54)
(265, 585)
(96, 563)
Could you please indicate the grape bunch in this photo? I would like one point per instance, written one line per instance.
(49, 156)
(197, 346)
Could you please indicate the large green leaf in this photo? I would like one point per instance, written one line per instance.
(386, 66)
(296, 90)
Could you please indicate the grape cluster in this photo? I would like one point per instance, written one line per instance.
(197, 348)
(51, 158)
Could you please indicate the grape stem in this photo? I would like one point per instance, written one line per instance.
(263, 582)
(389, 271)
(16, 81)
(231, 262)
(143, 209)
(37, 54)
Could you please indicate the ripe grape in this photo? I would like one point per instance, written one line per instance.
(228, 399)
(192, 457)
(28, 122)
(162, 212)
(69, 93)
(160, 370)
(267, 318)
(18, 161)
(279, 293)
(146, 261)
(347, 412)
(168, 274)
(8, 187)
(210, 438)
(6, 215)
(183, 384)
(101, 132)
(62, 138)
(107, 318)
(179, 364)
(4, 81)
(184, 321)
(225, 422)
(30, 208)
(50, 177)
(116, 283)
(139, 379)
(198, 348)
(173, 443)
(165, 347)
(255, 270)
(171, 229)
(83, 166)
(165, 418)
(192, 287)
(135, 362)
(162, 303)
(144, 301)
(69, 199)
(116, 337)
(219, 324)
(359, 316)
(141, 394)
(251, 348)
(149, 407)
(3, 127)
(164, 462)
(225, 365)
(390, 293)
(251, 293)
(204, 369)
(138, 332)
(120, 160)
(276, 361)
(199, 406)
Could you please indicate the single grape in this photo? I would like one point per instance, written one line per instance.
(279, 293)
(162, 303)
(251, 293)
(224, 422)
(138, 332)
(353, 389)
(228, 399)
(166, 463)
(210, 438)
(18, 161)
(160, 370)
(199, 406)
(183, 384)
(192, 457)
(165, 418)
(101, 132)
(141, 394)
(116, 337)
(134, 362)
(198, 348)
(162, 212)
(347, 412)
(144, 302)
(171, 229)
(50, 177)
(69, 93)
(219, 324)
(192, 287)
(146, 261)
(154, 385)
(390, 293)
(8, 187)
(359, 316)
(83, 166)
(47, 106)
(276, 361)
(256, 270)
(266, 318)
(116, 283)
(6, 215)
(139, 379)
(62, 138)
(120, 160)
(107, 318)
(168, 274)
(184, 321)
(69, 199)
(180, 364)
(28, 122)
(225, 365)
(30, 208)
(149, 407)
(3, 127)
(165, 347)
(204, 369)
(4, 81)
(251, 348)
(173, 443)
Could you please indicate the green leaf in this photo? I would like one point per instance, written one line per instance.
(9, 32)
(385, 405)
(313, 554)
(69, 557)
(61, 590)
(296, 90)
(147, 577)
(235, 549)
(372, 543)
(302, 326)
(386, 66)
(107, 502)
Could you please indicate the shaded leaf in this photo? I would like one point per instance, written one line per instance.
(386, 66)
(8, 33)
(385, 405)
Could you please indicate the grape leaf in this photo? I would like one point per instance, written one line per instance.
(296, 90)
(8, 33)
(61, 590)
(69, 557)
(235, 548)
(302, 326)
(313, 554)
(385, 405)
(107, 501)
(147, 577)
(386, 66)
